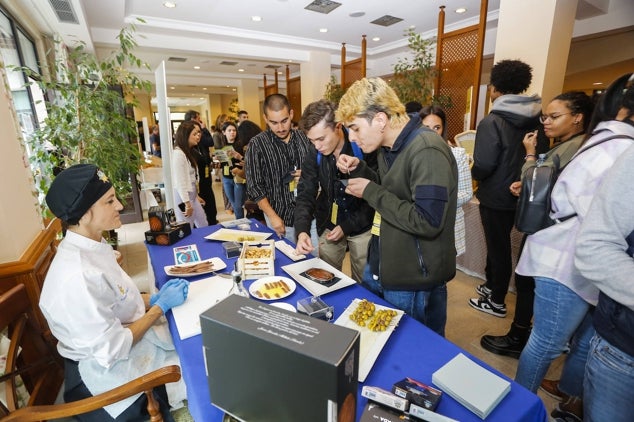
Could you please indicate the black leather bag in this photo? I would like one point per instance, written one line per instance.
(533, 207)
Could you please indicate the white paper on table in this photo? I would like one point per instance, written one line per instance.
(203, 294)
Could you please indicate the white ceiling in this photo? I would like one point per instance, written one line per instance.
(208, 32)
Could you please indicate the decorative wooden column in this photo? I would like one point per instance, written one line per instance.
(364, 47)
(343, 64)
(441, 31)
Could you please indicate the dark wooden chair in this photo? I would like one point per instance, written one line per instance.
(41, 369)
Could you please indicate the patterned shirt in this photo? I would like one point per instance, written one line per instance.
(269, 163)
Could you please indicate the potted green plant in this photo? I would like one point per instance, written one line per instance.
(334, 90)
(413, 80)
(89, 102)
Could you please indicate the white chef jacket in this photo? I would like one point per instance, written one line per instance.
(88, 301)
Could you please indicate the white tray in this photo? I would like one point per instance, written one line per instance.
(371, 342)
(316, 289)
(237, 235)
(218, 264)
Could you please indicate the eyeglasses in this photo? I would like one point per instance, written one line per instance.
(544, 117)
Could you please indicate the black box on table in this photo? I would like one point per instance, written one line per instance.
(268, 364)
(176, 233)
(160, 219)
(418, 393)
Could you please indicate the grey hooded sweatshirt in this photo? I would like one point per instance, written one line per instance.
(499, 153)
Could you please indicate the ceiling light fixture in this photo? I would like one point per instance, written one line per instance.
(376, 39)
(196, 67)
(256, 18)
(205, 89)
(323, 29)
(356, 14)
(169, 4)
(240, 70)
(461, 10)
(597, 83)
(171, 87)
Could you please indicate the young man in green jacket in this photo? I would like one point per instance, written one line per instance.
(412, 254)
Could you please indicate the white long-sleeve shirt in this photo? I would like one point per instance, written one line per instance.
(183, 177)
(550, 252)
(88, 300)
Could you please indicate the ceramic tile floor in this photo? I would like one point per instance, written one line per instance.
(465, 325)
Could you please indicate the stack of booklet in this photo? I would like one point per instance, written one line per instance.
(476, 388)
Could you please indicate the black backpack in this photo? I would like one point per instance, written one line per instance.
(534, 204)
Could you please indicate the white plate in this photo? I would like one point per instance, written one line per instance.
(371, 342)
(230, 235)
(316, 289)
(284, 305)
(259, 285)
(218, 264)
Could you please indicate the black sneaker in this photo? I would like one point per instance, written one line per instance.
(485, 305)
(483, 290)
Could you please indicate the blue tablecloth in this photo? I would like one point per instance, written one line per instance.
(412, 350)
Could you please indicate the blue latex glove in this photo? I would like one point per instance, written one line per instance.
(155, 296)
(172, 294)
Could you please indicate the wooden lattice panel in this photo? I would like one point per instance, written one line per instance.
(294, 95)
(458, 66)
(270, 89)
(354, 72)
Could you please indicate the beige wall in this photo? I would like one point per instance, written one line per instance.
(20, 221)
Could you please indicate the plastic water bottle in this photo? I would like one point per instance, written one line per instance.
(541, 159)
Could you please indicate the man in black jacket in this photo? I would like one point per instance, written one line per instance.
(343, 221)
(498, 157)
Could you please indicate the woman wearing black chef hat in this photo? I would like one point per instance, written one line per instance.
(105, 327)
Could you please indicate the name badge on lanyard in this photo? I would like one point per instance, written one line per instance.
(333, 213)
(376, 224)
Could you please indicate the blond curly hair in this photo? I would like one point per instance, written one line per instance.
(369, 96)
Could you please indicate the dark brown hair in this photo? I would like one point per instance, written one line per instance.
(182, 139)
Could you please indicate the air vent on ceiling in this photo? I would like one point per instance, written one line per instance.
(323, 6)
(64, 11)
(177, 59)
(272, 66)
(228, 63)
(386, 20)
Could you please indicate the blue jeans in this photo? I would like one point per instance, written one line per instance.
(608, 384)
(426, 306)
(560, 314)
(235, 195)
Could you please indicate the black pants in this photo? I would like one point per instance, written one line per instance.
(497, 225)
(207, 194)
(525, 288)
(75, 389)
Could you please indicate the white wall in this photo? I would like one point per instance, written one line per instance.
(20, 221)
